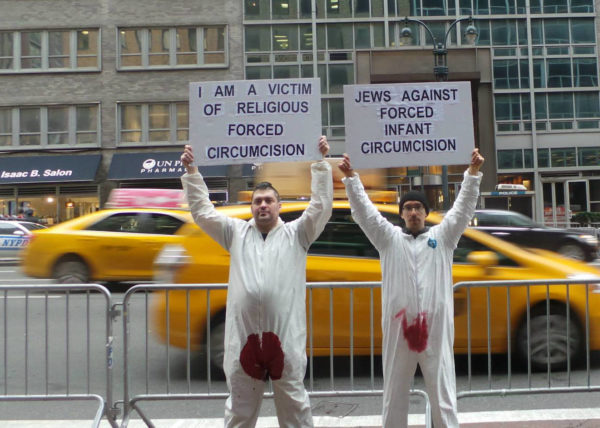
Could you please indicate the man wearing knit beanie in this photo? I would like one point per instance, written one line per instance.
(417, 306)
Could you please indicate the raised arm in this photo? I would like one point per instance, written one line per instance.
(377, 228)
(457, 219)
(315, 217)
(216, 225)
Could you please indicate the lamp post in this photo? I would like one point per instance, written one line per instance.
(440, 67)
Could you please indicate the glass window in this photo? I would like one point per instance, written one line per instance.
(214, 45)
(182, 121)
(306, 37)
(522, 30)
(305, 8)
(120, 222)
(377, 8)
(539, 73)
(256, 9)
(339, 8)
(58, 125)
(543, 158)
(535, 6)
(504, 32)
(87, 48)
(537, 33)
(286, 72)
(555, 6)
(6, 50)
(509, 159)
(162, 224)
(483, 32)
(508, 106)
(29, 127)
(362, 36)
(588, 156)
(506, 74)
(285, 37)
(585, 72)
(361, 8)
(339, 36)
(563, 157)
(582, 6)
(5, 126)
(525, 107)
(541, 111)
(433, 8)
(283, 9)
(465, 7)
(481, 7)
(560, 105)
(528, 158)
(158, 122)
(158, 46)
(556, 31)
(131, 123)
(340, 75)
(378, 36)
(58, 49)
(559, 72)
(187, 46)
(258, 73)
(131, 47)
(31, 49)
(87, 124)
(258, 39)
(524, 70)
(582, 30)
(586, 104)
(502, 7)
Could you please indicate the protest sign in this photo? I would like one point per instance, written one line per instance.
(416, 124)
(250, 121)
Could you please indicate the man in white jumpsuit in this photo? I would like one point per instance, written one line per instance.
(416, 297)
(265, 323)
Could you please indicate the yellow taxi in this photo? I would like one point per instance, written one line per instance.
(117, 244)
(343, 253)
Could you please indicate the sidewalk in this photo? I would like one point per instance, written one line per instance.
(545, 418)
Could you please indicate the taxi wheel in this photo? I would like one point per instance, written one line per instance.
(217, 341)
(550, 342)
(572, 250)
(71, 271)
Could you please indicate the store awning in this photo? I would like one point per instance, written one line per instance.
(135, 166)
(48, 169)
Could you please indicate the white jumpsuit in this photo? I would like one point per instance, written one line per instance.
(265, 325)
(417, 302)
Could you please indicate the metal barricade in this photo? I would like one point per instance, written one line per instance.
(40, 363)
(190, 317)
(546, 326)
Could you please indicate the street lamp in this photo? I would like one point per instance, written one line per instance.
(440, 67)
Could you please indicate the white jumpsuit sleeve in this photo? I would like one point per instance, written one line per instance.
(377, 228)
(313, 220)
(457, 219)
(216, 225)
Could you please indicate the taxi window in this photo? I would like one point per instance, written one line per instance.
(162, 224)
(33, 226)
(466, 246)
(120, 222)
(341, 237)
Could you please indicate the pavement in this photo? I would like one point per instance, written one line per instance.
(545, 418)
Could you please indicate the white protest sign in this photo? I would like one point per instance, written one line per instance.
(409, 124)
(250, 121)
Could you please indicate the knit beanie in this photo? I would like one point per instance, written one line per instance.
(413, 195)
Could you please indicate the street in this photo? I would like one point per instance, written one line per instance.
(75, 365)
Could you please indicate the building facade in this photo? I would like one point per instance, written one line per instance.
(102, 86)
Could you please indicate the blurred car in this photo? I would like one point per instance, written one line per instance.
(521, 230)
(14, 236)
(118, 244)
(343, 253)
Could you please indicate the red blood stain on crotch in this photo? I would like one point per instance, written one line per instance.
(262, 359)
(416, 334)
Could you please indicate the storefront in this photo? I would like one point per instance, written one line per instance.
(50, 189)
(164, 169)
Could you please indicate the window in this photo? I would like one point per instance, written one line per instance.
(510, 159)
(466, 246)
(506, 74)
(179, 47)
(156, 123)
(50, 126)
(563, 157)
(55, 50)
